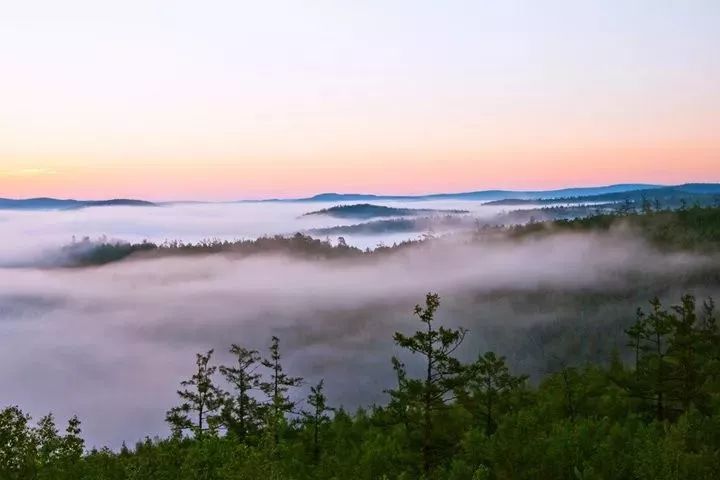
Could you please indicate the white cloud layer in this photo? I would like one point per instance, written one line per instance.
(111, 343)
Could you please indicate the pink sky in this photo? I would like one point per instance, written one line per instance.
(225, 100)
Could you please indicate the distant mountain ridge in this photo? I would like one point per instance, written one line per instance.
(45, 203)
(486, 195)
(499, 197)
(367, 211)
(674, 194)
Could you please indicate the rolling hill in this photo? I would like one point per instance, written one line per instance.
(366, 210)
(67, 204)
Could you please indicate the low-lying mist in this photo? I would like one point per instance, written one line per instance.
(112, 343)
(28, 236)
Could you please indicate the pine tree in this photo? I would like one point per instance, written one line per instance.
(687, 376)
(200, 398)
(317, 417)
(240, 413)
(279, 402)
(443, 374)
(710, 347)
(650, 339)
(636, 334)
(399, 398)
(490, 384)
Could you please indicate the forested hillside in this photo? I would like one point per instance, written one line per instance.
(367, 210)
(656, 416)
(686, 228)
(706, 194)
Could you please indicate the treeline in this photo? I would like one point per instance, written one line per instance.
(657, 417)
(88, 252)
(660, 198)
(688, 228)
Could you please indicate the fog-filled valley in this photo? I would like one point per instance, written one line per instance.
(111, 342)
(31, 234)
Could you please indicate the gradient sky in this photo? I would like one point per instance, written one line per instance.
(244, 99)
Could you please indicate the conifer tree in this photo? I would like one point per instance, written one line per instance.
(687, 376)
(317, 416)
(636, 335)
(240, 412)
(443, 374)
(710, 347)
(201, 400)
(399, 404)
(277, 389)
(650, 339)
(489, 384)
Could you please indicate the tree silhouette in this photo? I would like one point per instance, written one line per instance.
(201, 399)
(317, 416)
(443, 374)
(490, 383)
(240, 413)
(279, 402)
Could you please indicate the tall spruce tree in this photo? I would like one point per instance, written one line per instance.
(201, 401)
(277, 390)
(488, 388)
(687, 375)
(241, 412)
(430, 394)
(711, 339)
(655, 366)
(317, 416)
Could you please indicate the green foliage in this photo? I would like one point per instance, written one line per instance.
(276, 389)
(658, 417)
(367, 210)
(674, 358)
(316, 418)
(423, 401)
(489, 389)
(684, 229)
(201, 401)
(240, 413)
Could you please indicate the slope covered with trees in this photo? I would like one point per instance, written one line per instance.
(706, 194)
(654, 417)
(686, 228)
(690, 228)
(368, 210)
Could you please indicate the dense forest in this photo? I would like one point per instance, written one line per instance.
(656, 416)
(625, 391)
(703, 194)
(693, 227)
(367, 210)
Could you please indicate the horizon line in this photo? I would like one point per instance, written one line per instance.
(395, 195)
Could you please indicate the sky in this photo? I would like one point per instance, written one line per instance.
(221, 100)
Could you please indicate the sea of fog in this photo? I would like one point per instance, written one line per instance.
(112, 343)
(27, 234)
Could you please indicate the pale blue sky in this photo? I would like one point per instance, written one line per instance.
(232, 86)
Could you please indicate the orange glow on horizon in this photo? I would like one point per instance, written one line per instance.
(177, 100)
(453, 172)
